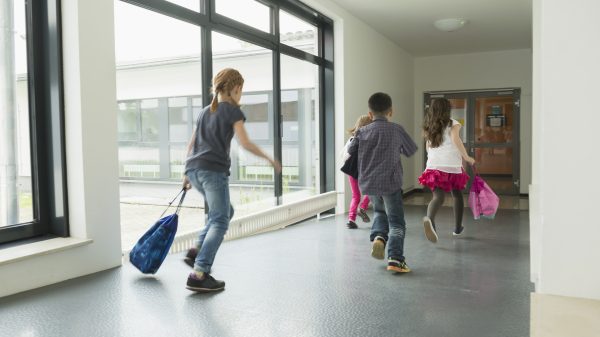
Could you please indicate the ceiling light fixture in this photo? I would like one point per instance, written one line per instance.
(449, 25)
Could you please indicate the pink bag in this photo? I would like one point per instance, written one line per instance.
(482, 199)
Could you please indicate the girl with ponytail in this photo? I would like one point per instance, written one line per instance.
(207, 169)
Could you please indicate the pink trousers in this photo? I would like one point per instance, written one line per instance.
(356, 199)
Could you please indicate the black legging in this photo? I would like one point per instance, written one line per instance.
(438, 201)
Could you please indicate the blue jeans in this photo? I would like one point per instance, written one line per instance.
(389, 222)
(214, 186)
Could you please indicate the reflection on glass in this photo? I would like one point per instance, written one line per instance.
(128, 121)
(178, 119)
(15, 156)
(252, 178)
(495, 164)
(299, 109)
(249, 12)
(297, 33)
(494, 120)
(149, 112)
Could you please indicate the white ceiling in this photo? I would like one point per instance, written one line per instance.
(492, 24)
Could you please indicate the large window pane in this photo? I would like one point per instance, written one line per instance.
(249, 12)
(252, 178)
(299, 103)
(15, 155)
(297, 33)
(159, 88)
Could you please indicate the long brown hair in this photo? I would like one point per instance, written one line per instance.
(360, 122)
(436, 120)
(224, 82)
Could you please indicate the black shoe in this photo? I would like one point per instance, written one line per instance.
(397, 265)
(458, 231)
(205, 284)
(429, 227)
(351, 225)
(190, 257)
(363, 215)
(378, 250)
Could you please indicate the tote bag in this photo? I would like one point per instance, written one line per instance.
(151, 249)
(482, 199)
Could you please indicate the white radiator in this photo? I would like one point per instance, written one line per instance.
(264, 221)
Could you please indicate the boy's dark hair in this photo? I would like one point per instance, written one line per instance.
(380, 103)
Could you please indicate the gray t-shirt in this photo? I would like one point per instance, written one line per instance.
(214, 131)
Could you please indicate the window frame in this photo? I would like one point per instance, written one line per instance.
(46, 120)
(210, 21)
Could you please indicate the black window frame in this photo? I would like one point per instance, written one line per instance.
(46, 121)
(208, 20)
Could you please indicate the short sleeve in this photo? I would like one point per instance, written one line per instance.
(236, 115)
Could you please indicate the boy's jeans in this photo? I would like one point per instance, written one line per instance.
(214, 186)
(389, 222)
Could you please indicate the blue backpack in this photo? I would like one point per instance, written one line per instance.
(151, 249)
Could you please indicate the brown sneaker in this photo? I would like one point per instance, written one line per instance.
(397, 266)
(378, 250)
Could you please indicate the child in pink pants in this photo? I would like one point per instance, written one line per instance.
(356, 206)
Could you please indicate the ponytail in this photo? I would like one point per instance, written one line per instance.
(215, 102)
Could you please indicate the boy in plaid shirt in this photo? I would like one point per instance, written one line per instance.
(379, 146)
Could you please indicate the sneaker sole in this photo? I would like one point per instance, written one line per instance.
(364, 218)
(378, 250)
(429, 231)
(398, 269)
(204, 290)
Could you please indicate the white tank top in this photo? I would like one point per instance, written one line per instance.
(445, 157)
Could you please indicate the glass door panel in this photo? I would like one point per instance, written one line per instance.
(493, 139)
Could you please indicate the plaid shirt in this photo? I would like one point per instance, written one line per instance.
(379, 146)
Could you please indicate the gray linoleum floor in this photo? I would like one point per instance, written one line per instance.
(312, 279)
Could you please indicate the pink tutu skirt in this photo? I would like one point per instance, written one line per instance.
(444, 180)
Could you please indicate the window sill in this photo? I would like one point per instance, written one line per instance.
(26, 251)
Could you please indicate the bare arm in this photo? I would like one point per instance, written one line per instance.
(454, 133)
(190, 147)
(242, 137)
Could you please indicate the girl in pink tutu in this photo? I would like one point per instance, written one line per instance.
(444, 172)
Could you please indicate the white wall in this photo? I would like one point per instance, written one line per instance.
(565, 226)
(366, 62)
(91, 152)
(501, 69)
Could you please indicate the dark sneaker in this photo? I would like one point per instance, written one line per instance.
(378, 250)
(204, 284)
(363, 215)
(429, 230)
(458, 231)
(190, 257)
(397, 266)
(351, 225)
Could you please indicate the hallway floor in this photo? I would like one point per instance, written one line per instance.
(316, 278)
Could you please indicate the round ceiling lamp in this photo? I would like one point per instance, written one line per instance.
(449, 25)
